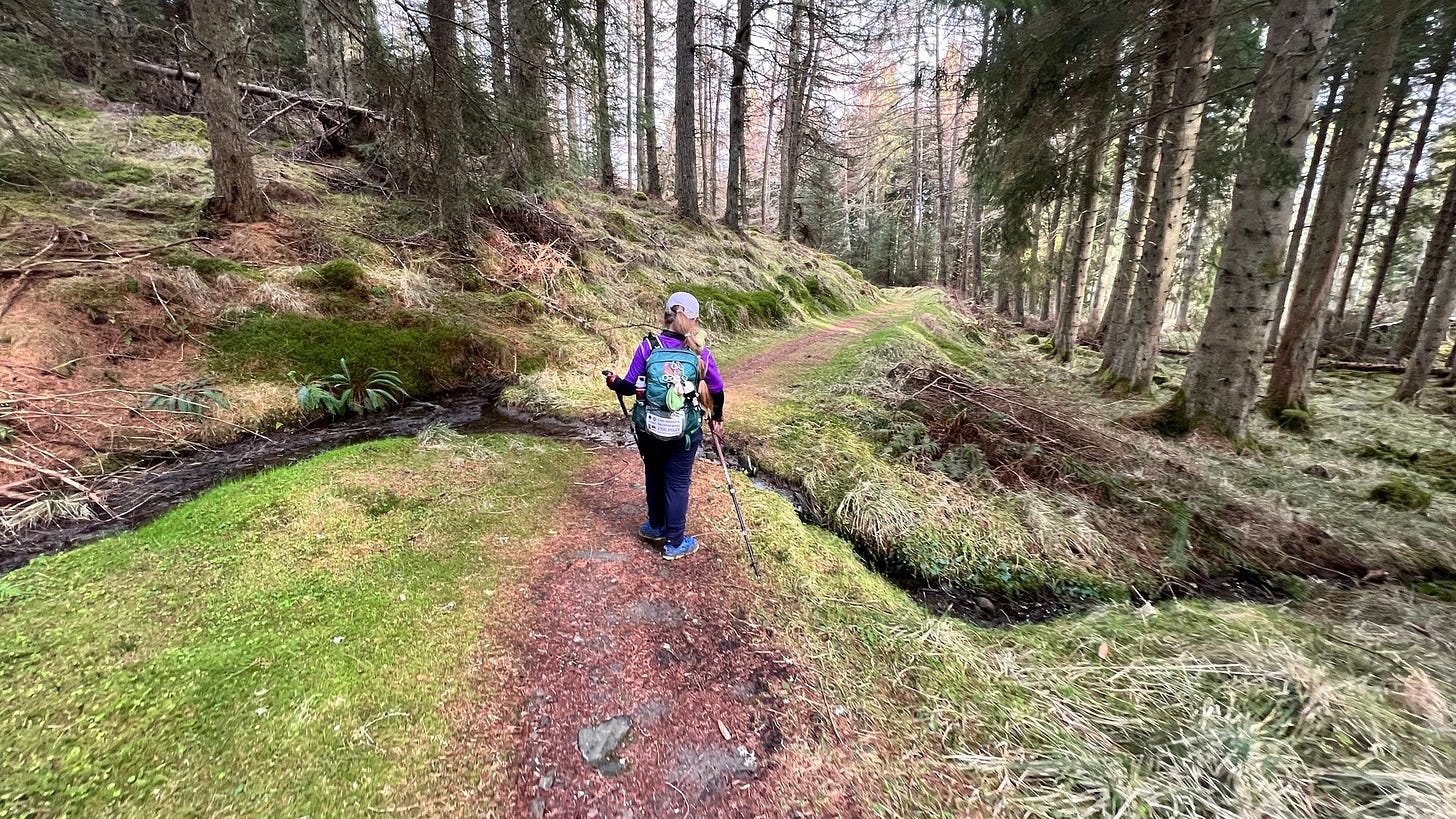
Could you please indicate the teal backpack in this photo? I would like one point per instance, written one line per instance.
(669, 411)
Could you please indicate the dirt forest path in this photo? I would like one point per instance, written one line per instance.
(658, 670)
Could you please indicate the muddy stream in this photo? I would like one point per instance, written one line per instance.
(134, 495)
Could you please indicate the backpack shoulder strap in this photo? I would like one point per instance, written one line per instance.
(653, 342)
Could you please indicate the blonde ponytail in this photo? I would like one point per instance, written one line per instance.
(696, 340)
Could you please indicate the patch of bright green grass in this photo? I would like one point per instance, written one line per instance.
(428, 356)
(278, 647)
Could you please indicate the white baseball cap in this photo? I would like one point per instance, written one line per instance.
(685, 302)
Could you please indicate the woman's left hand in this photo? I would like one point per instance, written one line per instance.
(717, 427)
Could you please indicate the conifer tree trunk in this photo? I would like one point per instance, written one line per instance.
(917, 167)
(1114, 319)
(1362, 228)
(601, 112)
(323, 48)
(1433, 332)
(1295, 358)
(1133, 365)
(218, 26)
(684, 128)
(733, 208)
(1404, 344)
(495, 19)
(792, 131)
(1222, 381)
(647, 107)
(1296, 238)
(1109, 221)
(1064, 341)
(451, 201)
(528, 49)
(1192, 261)
(573, 122)
(1438, 247)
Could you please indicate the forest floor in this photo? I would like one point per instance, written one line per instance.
(982, 593)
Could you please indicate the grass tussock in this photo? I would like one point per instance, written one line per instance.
(1187, 709)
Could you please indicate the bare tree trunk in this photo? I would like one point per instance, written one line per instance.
(1064, 342)
(1222, 381)
(1404, 344)
(686, 182)
(496, 22)
(1295, 358)
(1109, 220)
(945, 171)
(451, 201)
(1114, 319)
(733, 208)
(717, 117)
(1437, 249)
(323, 48)
(792, 133)
(647, 109)
(573, 122)
(218, 26)
(1433, 332)
(1132, 369)
(1296, 239)
(528, 53)
(1362, 229)
(601, 111)
(1192, 263)
(768, 132)
(917, 166)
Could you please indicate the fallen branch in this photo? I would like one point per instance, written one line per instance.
(318, 103)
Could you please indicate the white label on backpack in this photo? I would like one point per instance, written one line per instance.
(666, 427)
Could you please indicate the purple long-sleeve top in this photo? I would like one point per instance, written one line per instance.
(626, 385)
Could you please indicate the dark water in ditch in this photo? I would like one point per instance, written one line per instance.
(139, 493)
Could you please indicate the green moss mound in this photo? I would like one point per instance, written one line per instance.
(338, 275)
(735, 309)
(174, 128)
(429, 357)
(1400, 494)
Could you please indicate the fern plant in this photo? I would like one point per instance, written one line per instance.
(347, 393)
(186, 398)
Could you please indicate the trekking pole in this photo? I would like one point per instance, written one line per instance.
(742, 527)
(625, 414)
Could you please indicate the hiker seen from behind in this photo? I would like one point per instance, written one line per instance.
(678, 391)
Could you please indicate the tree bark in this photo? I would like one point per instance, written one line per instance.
(1222, 380)
(1064, 342)
(1109, 221)
(792, 132)
(601, 110)
(1114, 319)
(573, 121)
(528, 52)
(1405, 339)
(451, 200)
(647, 107)
(685, 155)
(323, 48)
(1362, 228)
(1192, 263)
(1437, 249)
(218, 26)
(496, 21)
(1295, 357)
(1296, 238)
(1433, 332)
(1136, 356)
(733, 208)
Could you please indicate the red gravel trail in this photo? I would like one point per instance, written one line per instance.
(723, 722)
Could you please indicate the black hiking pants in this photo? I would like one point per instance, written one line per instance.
(669, 471)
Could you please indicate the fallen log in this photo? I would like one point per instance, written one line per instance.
(293, 97)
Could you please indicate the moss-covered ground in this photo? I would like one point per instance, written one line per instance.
(280, 646)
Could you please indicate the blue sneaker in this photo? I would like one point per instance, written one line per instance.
(649, 533)
(688, 546)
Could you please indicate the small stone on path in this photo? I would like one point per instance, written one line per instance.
(599, 743)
